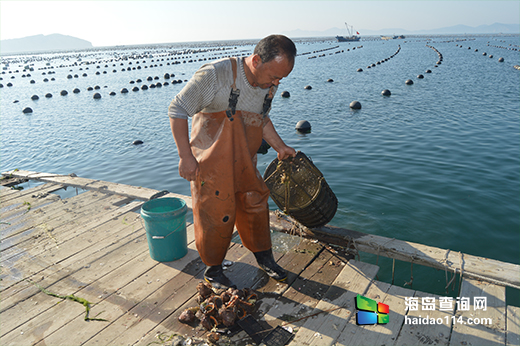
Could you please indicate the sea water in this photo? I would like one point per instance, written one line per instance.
(435, 163)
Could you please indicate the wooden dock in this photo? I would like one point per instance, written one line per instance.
(93, 246)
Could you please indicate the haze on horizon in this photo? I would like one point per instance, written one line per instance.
(110, 23)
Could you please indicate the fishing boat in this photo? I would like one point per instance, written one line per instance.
(351, 37)
(395, 37)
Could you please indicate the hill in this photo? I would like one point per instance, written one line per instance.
(496, 28)
(40, 43)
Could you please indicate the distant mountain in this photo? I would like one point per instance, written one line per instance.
(39, 43)
(495, 28)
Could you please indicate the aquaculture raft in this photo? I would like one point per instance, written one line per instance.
(93, 246)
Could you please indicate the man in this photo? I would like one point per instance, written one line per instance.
(229, 101)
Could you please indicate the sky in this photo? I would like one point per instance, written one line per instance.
(109, 23)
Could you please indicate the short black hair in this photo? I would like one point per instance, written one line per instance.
(275, 45)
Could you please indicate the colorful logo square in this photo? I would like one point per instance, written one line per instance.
(371, 312)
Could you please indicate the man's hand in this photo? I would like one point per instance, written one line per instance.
(189, 168)
(285, 152)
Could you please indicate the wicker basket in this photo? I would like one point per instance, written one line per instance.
(300, 190)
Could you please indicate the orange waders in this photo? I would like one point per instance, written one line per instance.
(229, 190)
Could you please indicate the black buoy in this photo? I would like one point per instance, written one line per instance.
(408, 82)
(428, 71)
(303, 126)
(308, 87)
(420, 76)
(27, 110)
(35, 97)
(500, 59)
(135, 88)
(137, 142)
(48, 95)
(112, 93)
(286, 94)
(75, 91)
(386, 92)
(484, 54)
(124, 91)
(330, 80)
(144, 87)
(355, 105)
(63, 93)
(359, 70)
(90, 88)
(97, 96)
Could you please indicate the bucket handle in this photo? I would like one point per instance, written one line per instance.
(155, 236)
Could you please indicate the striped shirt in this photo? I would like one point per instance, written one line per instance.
(209, 88)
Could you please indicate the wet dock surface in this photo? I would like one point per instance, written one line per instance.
(93, 245)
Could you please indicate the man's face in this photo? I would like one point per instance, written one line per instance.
(272, 72)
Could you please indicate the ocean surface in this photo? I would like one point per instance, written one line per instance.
(436, 163)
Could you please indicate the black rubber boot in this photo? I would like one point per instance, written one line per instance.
(266, 261)
(215, 276)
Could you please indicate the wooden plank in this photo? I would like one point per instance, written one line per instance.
(88, 184)
(324, 329)
(32, 193)
(270, 292)
(416, 332)
(86, 243)
(142, 298)
(85, 276)
(472, 266)
(74, 269)
(31, 219)
(150, 312)
(185, 298)
(17, 273)
(491, 326)
(8, 182)
(300, 299)
(491, 270)
(57, 218)
(513, 325)
(140, 284)
(245, 273)
(25, 204)
(378, 334)
(9, 194)
(136, 192)
(63, 227)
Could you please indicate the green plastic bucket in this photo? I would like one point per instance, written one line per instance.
(165, 225)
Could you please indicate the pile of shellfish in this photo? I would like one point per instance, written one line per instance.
(222, 308)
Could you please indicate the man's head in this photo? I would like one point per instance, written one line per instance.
(272, 60)
(275, 45)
